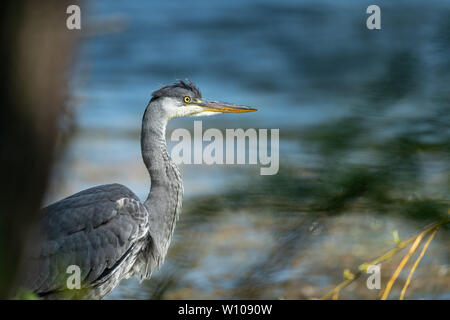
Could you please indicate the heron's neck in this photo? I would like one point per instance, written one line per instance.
(164, 200)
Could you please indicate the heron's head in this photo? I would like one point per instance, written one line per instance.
(184, 99)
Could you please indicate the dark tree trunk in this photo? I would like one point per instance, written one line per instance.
(36, 51)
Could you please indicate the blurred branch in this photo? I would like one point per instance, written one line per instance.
(402, 264)
(387, 256)
(411, 272)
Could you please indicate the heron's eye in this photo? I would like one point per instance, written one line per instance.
(187, 99)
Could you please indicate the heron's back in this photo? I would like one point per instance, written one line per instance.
(100, 230)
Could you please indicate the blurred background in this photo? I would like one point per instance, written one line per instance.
(364, 119)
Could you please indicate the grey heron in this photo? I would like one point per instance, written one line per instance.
(106, 231)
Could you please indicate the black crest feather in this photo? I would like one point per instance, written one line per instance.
(178, 89)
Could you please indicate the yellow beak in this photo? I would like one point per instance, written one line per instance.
(223, 107)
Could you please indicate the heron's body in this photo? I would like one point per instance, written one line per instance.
(106, 230)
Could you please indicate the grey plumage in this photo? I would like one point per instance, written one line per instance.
(106, 230)
(179, 89)
(93, 229)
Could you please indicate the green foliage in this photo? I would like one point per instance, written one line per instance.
(25, 295)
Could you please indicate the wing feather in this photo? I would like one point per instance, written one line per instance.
(92, 229)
